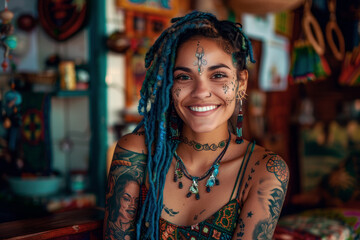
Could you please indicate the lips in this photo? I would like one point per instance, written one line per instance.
(203, 108)
(131, 212)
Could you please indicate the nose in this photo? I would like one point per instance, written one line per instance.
(201, 89)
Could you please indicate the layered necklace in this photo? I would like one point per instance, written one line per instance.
(180, 171)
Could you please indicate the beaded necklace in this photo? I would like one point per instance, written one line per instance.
(180, 171)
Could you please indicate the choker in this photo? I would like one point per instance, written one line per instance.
(180, 171)
(200, 147)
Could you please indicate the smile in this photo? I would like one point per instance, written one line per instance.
(131, 212)
(203, 109)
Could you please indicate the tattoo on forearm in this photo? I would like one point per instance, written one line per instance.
(122, 195)
(265, 228)
(170, 211)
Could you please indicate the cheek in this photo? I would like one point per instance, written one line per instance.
(228, 89)
(230, 100)
(176, 92)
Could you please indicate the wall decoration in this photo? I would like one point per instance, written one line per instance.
(274, 66)
(141, 29)
(62, 19)
(8, 41)
(26, 22)
(135, 70)
(284, 23)
(36, 144)
(159, 7)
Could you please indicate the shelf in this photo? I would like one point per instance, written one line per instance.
(74, 93)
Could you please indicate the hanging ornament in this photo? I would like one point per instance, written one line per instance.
(7, 41)
(26, 22)
(62, 19)
(11, 41)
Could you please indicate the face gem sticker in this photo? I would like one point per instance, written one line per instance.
(199, 55)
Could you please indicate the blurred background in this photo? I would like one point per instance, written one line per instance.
(70, 77)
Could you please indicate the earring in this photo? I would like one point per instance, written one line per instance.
(174, 124)
(239, 137)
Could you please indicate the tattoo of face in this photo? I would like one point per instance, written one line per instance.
(199, 54)
(122, 194)
(169, 211)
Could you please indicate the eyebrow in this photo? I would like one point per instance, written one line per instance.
(185, 69)
(211, 68)
(221, 65)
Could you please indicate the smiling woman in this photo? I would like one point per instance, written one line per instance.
(185, 172)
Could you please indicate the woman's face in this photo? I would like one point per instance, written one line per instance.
(205, 84)
(128, 202)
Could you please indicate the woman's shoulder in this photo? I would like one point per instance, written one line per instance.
(269, 165)
(133, 142)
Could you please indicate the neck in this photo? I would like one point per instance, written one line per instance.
(196, 160)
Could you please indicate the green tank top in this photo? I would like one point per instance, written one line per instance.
(220, 225)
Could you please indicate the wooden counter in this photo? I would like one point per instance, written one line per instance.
(71, 225)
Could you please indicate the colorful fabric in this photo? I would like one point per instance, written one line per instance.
(322, 227)
(220, 225)
(328, 223)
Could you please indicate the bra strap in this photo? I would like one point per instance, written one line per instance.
(244, 170)
(240, 170)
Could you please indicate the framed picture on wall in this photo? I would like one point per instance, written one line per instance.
(160, 7)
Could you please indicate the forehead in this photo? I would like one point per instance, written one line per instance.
(211, 46)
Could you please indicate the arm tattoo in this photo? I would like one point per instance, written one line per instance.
(169, 211)
(241, 225)
(122, 195)
(265, 228)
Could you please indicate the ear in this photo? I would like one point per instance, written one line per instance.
(242, 81)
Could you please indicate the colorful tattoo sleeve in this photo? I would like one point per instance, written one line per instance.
(122, 194)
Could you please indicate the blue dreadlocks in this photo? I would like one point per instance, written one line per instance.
(156, 98)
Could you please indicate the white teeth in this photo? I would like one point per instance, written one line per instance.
(203, 109)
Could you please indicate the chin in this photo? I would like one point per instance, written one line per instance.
(203, 128)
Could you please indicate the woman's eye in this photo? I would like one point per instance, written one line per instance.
(219, 75)
(182, 77)
(126, 199)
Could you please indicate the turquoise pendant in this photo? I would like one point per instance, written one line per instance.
(194, 187)
(211, 181)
